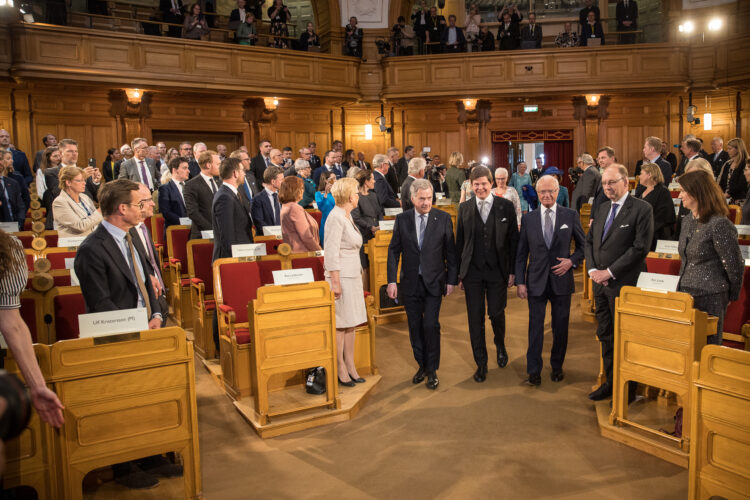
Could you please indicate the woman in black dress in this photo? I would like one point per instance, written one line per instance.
(731, 176)
(279, 15)
(309, 39)
(367, 215)
(657, 195)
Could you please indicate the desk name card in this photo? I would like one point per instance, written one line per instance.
(72, 241)
(392, 212)
(272, 231)
(742, 229)
(386, 225)
(293, 276)
(112, 322)
(249, 250)
(74, 278)
(674, 186)
(658, 282)
(667, 246)
(9, 227)
(745, 251)
(207, 235)
(69, 262)
(186, 221)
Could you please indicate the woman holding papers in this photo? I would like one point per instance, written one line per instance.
(75, 213)
(711, 266)
(298, 228)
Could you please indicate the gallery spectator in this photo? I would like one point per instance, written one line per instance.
(420, 21)
(473, 20)
(247, 31)
(531, 34)
(453, 39)
(509, 33)
(592, 33)
(195, 25)
(309, 40)
(353, 39)
(435, 26)
(626, 14)
(567, 38)
(279, 15)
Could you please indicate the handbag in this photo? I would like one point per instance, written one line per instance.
(316, 380)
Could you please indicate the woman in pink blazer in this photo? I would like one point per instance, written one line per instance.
(298, 228)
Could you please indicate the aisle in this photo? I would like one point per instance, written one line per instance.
(499, 439)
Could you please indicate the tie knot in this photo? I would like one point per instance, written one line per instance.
(615, 205)
(128, 238)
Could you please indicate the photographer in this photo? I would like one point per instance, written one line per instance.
(509, 32)
(13, 277)
(353, 38)
(437, 178)
(403, 38)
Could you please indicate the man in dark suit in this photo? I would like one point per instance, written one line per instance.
(173, 11)
(616, 249)
(392, 174)
(546, 235)
(199, 194)
(452, 39)
(140, 168)
(196, 151)
(423, 240)
(386, 196)
(486, 241)
(509, 33)
(48, 140)
(314, 159)
(435, 27)
(626, 14)
(232, 223)
(401, 167)
(171, 197)
(12, 206)
(361, 163)
(249, 188)
(690, 148)
(652, 153)
(20, 162)
(260, 162)
(588, 183)
(266, 210)
(416, 171)
(330, 164)
(718, 156)
(531, 34)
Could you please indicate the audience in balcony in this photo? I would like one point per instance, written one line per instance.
(195, 25)
(256, 7)
(435, 26)
(247, 31)
(238, 15)
(420, 21)
(308, 40)
(509, 32)
(473, 20)
(567, 38)
(531, 34)
(592, 30)
(626, 14)
(279, 15)
(353, 40)
(583, 14)
(453, 37)
(173, 13)
(485, 40)
(403, 38)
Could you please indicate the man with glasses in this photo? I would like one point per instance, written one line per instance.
(140, 168)
(248, 188)
(616, 249)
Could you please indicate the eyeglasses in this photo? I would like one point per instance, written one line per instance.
(547, 191)
(141, 203)
(612, 183)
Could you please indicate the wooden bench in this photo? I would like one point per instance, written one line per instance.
(178, 277)
(377, 251)
(720, 434)
(200, 272)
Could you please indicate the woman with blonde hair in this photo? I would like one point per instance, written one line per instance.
(731, 177)
(343, 270)
(657, 195)
(455, 176)
(74, 213)
(518, 180)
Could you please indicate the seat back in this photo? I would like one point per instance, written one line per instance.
(738, 312)
(157, 228)
(25, 237)
(200, 253)
(267, 267)
(317, 215)
(272, 243)
(30, 258)
(235, 284)
(57, 256)
(51, 238)
(663, 265)
(177, 238)
(314, 263)
(735, 214)
(32, 313)
(65, 303)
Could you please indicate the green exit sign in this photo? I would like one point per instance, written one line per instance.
(530, 108)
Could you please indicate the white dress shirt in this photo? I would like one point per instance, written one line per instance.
(553, 215)
(489, 205)
(148, 181)
(210, 181)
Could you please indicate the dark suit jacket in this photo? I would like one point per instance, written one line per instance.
(232, 224)
(527, 35)
(392, 178)
(626, 14)
(21, 165)
(257, 167)
(129, 169)
(193, 168)
(17, 206)
(106, 280)
(663, 210)
(107, 170)
(718, 162)
(460, 38)
(25, 194)
(737, 182)
(198, 202)
(506, 235)
(626, 245)
(248, 189)
(406, 203)
(586, 33)
(541, 259)
(586, 188)
(263, 212)
(368, 214)
(319, 171)
(314, 162)
(386, 195)
(509, 38)
(171, 205)
(437, 259)
(402, 170)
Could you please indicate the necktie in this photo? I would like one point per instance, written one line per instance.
(151, 257)
(422, 226)
(268, 161)
(548, 228)
(137, 273)
(213, 186)
(483, 210)
(611, 218)
(144, 175)
(248, 191)
(276, 210)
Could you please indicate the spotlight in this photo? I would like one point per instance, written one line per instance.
(485, 160)
(715, 24)
(687, 27)
(368, 132)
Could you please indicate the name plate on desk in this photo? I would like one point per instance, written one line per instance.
(442, 202)
(207, 235)
(667, 246)
(69, 263)
(745, 251)
(293, 276)
(674, 186)
(392, 212)
(112, 322)
(659, 282)
(73, 241)
(272, 231)
(439, 196)
(743, 230)
(386, 225)
(9, 227)
(186, 221)
(249, 250)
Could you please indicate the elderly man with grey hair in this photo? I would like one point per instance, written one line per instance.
(386, 195)
(423, 241)
(415, 170)
(587, 184)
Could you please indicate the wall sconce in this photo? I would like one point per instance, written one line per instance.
(707, 118)
(470, 104)
(368, 132)
(134, 95)
(271, 103)
(592, 99)
(6, 3)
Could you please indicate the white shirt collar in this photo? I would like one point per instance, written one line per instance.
(234, 189)
(654, 159)
(270, 192)
(207, 178)
(489, 198)
(553, 208)
(621, 201)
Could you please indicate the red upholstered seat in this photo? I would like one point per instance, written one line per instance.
(50, 238)
(272, 246)
(732, 213)
(314, 263)
(675, 194)
(30, 262)
(738, 312)
(663, 266)
(61, 279)
(242, 335)
(27, 224)
(185, 282)
(203, 270)
(25, 239)
(210, 305)
(157, 229)
(266, 268)
(57, 259)
(317, 215)
(28, 313)
(239, 285)
(66, 309)
(743, 241)
(179, 238)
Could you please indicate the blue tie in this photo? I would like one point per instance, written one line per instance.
(611, 219)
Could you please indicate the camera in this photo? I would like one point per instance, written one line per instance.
(575, 174)
(383, 46)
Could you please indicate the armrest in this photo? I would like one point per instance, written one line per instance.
(712, 325)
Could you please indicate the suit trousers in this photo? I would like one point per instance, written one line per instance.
(423, 316)
(478, 289)
(604, 301)
(560, 305)
(715, 304)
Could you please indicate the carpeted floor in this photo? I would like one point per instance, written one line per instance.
(499, 439)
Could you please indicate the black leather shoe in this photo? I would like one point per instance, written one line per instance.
(137, 479)
(557, 375)
(358, 380)
(603, 392)
(481, 374)
(432, 381)
(502, 357)
(347, 384)
(157, 465)
(419, 376)
(534, 379)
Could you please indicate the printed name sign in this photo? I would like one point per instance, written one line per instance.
(186, 221)
(207, 235)
(112, 322)
(9, 227)
(660, 282)
(392, 212)
(386, 225)
(293, 276)
(69, 263)
(249, 250)
(667, 246)
(272, 231)
(743, 229)
(73, 241)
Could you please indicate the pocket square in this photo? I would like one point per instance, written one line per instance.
(564, 226)
(504, 219)
(624, 225)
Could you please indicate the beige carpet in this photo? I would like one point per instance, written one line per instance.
(499, 439)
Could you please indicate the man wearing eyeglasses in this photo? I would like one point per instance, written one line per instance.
(140, 168)
(616, 249)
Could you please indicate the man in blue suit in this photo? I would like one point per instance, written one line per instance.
(266, 209)
(546, 234)
(171, 200)
(330, 164)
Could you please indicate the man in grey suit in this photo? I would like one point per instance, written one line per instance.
(587, 184)
(616, 249)
(415, 171)
(140, 168)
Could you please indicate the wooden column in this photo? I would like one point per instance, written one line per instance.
(21, 132)
(259, 120)
(475, 129)
(591, 118)
(129, 115)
